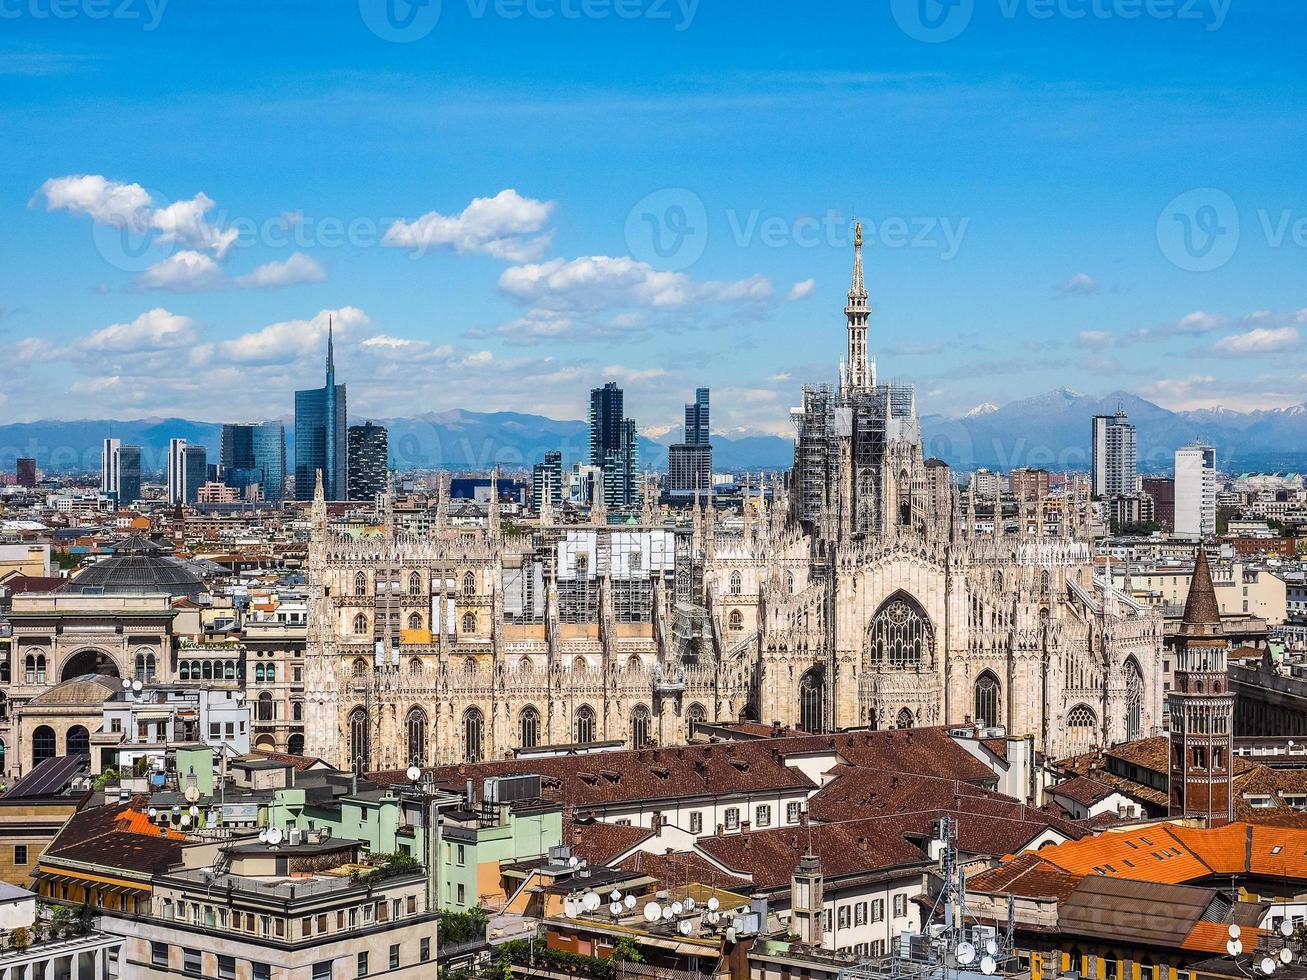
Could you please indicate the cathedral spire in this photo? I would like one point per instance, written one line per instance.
(857, 311)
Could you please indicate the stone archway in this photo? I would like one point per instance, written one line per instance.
(88, 660)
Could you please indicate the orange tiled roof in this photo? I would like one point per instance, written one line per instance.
(1143, 854)
(1211, 937)
(136, 822)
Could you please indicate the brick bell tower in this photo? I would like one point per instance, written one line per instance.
(1202, 709)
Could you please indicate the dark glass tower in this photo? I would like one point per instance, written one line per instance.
(255, 453)
(696, 419)
(613, 446)
(321, 436)
(367, 461)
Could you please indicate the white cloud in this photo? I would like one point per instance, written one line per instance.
(299, 268)
(802, 290)
(183, 272)
(183, 222)
(619, 372)
(1199, 322)
(1081, 284)
(1097, 338)
(107, 201)
(31, 349)
(282, 342)
(600, 281)
(507, 226)
(1261, 340)
(153, 330)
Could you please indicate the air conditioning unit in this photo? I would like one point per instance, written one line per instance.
(295, 836)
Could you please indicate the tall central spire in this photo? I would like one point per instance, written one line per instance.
(331, 357)
(858, 311)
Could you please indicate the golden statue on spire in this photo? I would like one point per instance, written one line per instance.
(857, 233)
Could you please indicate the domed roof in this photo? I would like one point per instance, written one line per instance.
(138, 566)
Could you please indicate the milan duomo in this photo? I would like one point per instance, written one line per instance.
(863, 590)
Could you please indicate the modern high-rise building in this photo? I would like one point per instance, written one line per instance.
(321, 436)
(547, 481)
(1115, 456)
(1195, 491)
(127, 473)
(613, 447)
(254, 455)
(1162, 490)
(25, 471)
(368, 455)
(194, 473)
(1029, 483)
(176, 493)
(109, 467)
(689, 463)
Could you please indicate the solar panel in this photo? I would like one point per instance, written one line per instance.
(49, 778)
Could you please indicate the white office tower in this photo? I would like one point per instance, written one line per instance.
(176, 471)
(109, 466)
(1115, 456)
(1195, 491)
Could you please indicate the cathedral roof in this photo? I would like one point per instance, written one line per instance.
(1201, 608)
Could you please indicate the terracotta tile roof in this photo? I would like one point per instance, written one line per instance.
(116, 837)
(678, 867)
(1151, 853)
(1211, 937)
(1026, 875)
(1201, 607)
(601, 843)
(17, 584)
(1083, 790)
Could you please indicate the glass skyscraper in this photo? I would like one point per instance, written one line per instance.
(254, 453)
(321, 436)
(613, 446)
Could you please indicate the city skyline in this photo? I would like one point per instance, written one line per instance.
(229, 275)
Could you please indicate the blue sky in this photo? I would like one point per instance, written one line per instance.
(1100, 194)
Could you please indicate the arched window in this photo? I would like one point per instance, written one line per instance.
(474, 725)
(812, 701)
(295, 744)
(414, 621)
(633, 662)
(359, 668)
(640, 727)
(207, 668)
(998, 580)
(145, 666)
(358, 739)
(1081, 729)
(735, 621)
(585, 724)
(736, 586)
(297, 711)
(360, 584)
(1134, 700)
(184, 670)
(524, 664)
(579, 665)
(43, 746)
(905, 719)
(414, 584)
(528, 723)
(900, 636)
(415, 666)
(77, 741)
(696, 714)
(469, 622)
(360, 624)
(415, 727)
(272, 673)
(229, 670)
(265, 707)
(258, 674)
(470, 666)
(986, 700)
(789, 582)
(469, 584)
(1045, 582)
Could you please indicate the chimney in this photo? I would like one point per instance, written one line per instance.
(657, 822)
(803, 817)
(862, 843)
(576, 835)
(721, 829)
(744, 826)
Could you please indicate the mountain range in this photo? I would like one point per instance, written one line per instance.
(1050, 430)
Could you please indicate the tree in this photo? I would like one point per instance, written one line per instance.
(20, 938)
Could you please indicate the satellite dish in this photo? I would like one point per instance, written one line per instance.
(186, 819)
(192, 793)
(572, 862)
(263, 836)
(1268, 965)
(991, 947)
(677, 908)
(714, 917)
(685, 927)
(689, 904)
(137, 685)
(274, 836)
(966, 953)
(1286, 928)
(194, 811)
(176, 809)
(653, 912)
(629, 901)
(667, 912)
(1234, 947)
(592, 901)
(987, 966)
(713, 904)
(1234, 930)
(614, 896)
(153, 812)
(127, 683)
(615, 908)
(413, 773)
(1286, 956)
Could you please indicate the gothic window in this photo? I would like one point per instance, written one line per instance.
(415, 584)
(469, 584)
(358, 739)
(585, 724)
(633, 662)
(1134, 700)
(812, 701)
(1045, 582)
(736, 587)
(905, 719)
(77, 741)
(469, 623)
(360, 584)
(264, 707)
(998, 580)
(470, 666)
(415, 728)
(528, 723)
(360, 624)
(789, 582)
(735, 621)
(524, 664)
(696, 714)
(43, 745)
(639, 727)
(579, 665)
(901, 637)
(359, 667)
(474, 730)
(414, 621)
(415, 666)
(987, 689)
(1081, 729)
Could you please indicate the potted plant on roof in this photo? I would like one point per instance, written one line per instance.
(20, 938)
